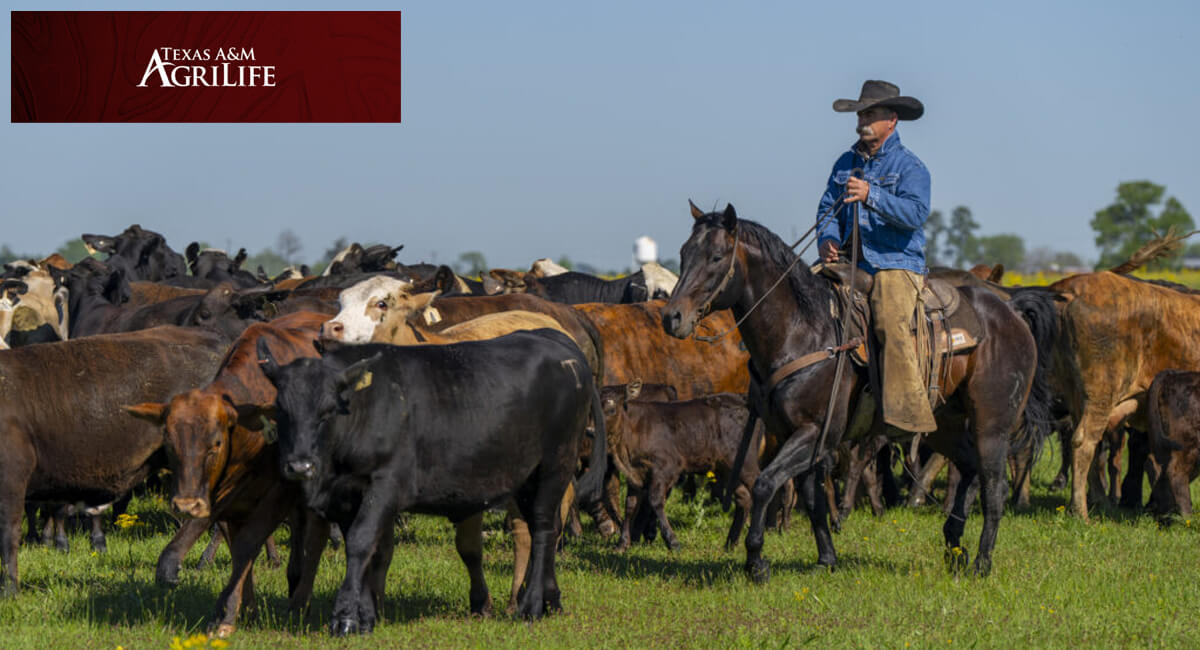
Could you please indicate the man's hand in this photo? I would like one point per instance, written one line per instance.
(856, 190)
(829, 252)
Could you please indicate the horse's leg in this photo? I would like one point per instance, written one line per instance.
(858, 463)
(887, 477)
(870, 477)
(1021, 462)
(955, 485)
(993, 451)
(793, 458)
(956, 555)
(818, 517)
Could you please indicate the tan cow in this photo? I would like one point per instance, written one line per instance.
(43, 305)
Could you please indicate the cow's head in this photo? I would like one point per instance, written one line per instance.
(362, 307)
(310, 393)
(198, 427)
(512, 281)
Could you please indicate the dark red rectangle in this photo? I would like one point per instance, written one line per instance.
(205, 66)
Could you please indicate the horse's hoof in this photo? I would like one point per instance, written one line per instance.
(532, 609)
(344, 626)
(957, 559)
(759, 571)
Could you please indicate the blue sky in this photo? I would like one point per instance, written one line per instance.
(538, 129)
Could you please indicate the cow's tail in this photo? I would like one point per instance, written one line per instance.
(1037, 306)
(1154, 418)
(590, 486)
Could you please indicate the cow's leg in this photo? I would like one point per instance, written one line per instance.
(924, 482)
(870, 479)
(364, 538)
(741, 496)
(631, 506)
(1131, 487)
(99, 543)
(656, 496)
(305, 557)
(273, 560)
(954, 485)
(858, 464)
(521, 544)
(1021, 464)
(219, 532)
(793, 458)
(786, 499)
(34, 534)
(1116, 448)
(831, 501)
(246, 540)
(16, 466)
(468, 541)
(375, 586)
(887, 478)
(542, 594)
(59, 522)
(166, 572)
(1083, 451)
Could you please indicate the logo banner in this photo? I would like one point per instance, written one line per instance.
(205, 66)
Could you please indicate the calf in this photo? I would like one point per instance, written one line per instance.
(438, 429)
(653, 443)
(62, 431)
(575, 288)
(1173, 411)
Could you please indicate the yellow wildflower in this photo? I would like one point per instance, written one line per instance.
(126, 520)
(219, 643)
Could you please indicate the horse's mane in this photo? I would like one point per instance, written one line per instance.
(812, 300)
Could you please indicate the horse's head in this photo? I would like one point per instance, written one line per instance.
(708, 263)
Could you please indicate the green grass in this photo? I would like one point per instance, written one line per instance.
(1119, 581)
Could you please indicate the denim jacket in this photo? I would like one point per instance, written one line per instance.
(892, 219)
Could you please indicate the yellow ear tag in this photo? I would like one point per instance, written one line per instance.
(363, 381)
(432, 316)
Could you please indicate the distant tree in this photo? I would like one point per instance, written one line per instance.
(288, 246)
(74, 250)
(471, 263)
(273, 263)
(961, 245)
(7, 255)
(1007, 249)
(671, 265)
(935, 228)
(566, 263)
(1128, 222)
(1067, 260)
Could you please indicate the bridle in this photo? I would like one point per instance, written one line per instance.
(724, 283)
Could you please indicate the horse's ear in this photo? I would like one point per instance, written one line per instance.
(729, 219)
(697, 213)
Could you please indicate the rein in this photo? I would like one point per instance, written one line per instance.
(733, 259)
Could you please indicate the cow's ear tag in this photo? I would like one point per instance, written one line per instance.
(269, 432)
(363, 381)
(432, 316)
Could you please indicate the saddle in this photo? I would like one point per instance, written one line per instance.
(951, 325)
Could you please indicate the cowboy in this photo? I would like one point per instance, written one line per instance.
(890, 187)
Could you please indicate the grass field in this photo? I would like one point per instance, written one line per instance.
(1119, 581)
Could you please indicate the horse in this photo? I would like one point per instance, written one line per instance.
(730, 263)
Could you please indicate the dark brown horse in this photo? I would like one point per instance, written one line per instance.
(728, 263)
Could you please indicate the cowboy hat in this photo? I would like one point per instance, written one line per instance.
(881, 93)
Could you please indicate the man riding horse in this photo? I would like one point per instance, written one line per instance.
(891, 187)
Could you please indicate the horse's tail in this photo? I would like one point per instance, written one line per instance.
(1036, 305)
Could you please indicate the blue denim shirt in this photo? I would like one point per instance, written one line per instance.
(892, 219)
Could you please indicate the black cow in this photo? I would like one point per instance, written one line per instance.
(63, 434)
(439, 429)
(142, 254)
(1173, 412)
(214, 265)
(575, 288)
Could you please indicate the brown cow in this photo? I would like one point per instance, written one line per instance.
(653, 443)
(1117, 334)
(80, 447)
(227, 472)
(1174, 417)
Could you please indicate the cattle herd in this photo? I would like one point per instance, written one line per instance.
(332, 403)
